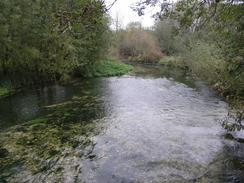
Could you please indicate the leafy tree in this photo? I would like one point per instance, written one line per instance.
(42, 40)
(165, 34)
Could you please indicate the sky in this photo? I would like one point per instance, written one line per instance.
(127, 15)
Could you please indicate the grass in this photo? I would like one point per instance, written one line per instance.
(106, 68)
(5, 89)
(36, 121)
(171, 61)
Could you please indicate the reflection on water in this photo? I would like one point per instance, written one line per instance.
(151, 125)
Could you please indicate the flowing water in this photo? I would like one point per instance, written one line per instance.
(151, 125)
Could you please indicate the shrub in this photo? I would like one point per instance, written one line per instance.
(154, 56)
(115, 52)
(139, 45)
(104, 68)
(5, 89)
(172, 61)
(204, 61)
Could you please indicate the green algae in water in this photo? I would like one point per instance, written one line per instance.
(67, 114)
(63, 112)
(42, 157)
(36, 121)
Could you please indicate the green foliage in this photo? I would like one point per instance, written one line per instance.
(42, 40)
(104, 68)
(92, 39)
(29, 48)
(204, 61)
(171, 61)
(5, 89)
(164, 32)
(234, 121)
(233, 82)
(201, 58)
(208, 37)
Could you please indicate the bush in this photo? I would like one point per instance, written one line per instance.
(5, 89)
(138, 45)
(165, 34)
(154, 56)
(172, 61)
(115, 52)
(233, 83)
(104, 68)
(204, 61)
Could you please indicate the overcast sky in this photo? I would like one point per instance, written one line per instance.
(127, 15)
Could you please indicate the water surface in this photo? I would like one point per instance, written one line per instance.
(151, 125)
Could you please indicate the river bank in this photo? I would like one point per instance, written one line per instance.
(217, 78)
(221, 79)
(5, 89)
(103, 68)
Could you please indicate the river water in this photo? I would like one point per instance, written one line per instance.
(151, 125)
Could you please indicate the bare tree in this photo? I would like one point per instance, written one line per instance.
(118, 21)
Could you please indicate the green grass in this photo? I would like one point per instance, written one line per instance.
(5, 90)
(106, 68)
(171, 61)
(36, 121)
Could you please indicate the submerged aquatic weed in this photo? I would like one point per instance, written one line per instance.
(35, 151)
(36, 121)
(53, 141)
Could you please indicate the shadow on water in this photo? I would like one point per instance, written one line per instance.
(170, 73)
(28, 104)
(152, 125)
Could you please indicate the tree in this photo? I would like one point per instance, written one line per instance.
(193, 14)
(42, 40)
(23, 58)
(118, 21)
(165, 34)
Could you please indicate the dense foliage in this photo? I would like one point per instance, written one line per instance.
(108, 67)
(43, 40)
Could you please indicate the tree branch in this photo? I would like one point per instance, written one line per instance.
(111, 5)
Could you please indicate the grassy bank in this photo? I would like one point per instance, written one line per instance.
(105, 68)
(5, 89)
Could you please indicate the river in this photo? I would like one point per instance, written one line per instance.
(152, 125)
